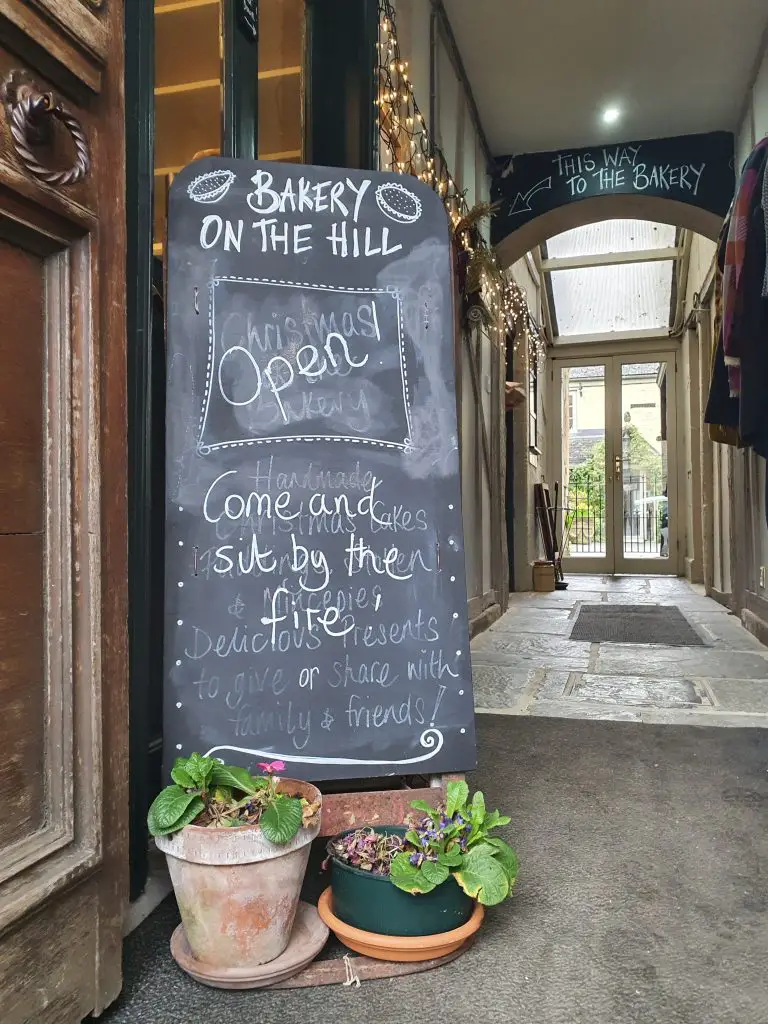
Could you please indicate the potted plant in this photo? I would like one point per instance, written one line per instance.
(237, 847)
(426, 878)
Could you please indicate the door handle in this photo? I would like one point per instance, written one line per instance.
(617, 466)
(30, 113)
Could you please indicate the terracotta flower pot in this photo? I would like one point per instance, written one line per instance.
(398, 947)
(237, 892)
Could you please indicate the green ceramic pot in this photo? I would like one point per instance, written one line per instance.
(372, 903)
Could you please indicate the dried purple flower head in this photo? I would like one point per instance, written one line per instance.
(366, 850)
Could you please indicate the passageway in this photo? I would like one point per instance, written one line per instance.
(527, 664)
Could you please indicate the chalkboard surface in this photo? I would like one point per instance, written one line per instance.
(693, 169)
(316, 608)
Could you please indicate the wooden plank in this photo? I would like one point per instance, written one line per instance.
(22, 686)
(30, 31)
(610, 259)
(364, 968)
(41, 963)
(388, 807)
(21, 390)
(78, 23)
(478, 399)
(111, 455)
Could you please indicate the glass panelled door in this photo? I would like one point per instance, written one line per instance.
(586, 488)
(643, 453)
(617, 464)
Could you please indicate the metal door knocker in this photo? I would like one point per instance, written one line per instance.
(29, 112)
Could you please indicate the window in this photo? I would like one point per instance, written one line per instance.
(189, 87)
(612, 277)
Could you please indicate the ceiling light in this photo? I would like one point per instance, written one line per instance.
(611, 115)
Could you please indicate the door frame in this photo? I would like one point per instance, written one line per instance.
(62, 900)
(614, 562)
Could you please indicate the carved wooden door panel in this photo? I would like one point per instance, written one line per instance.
(63, 677)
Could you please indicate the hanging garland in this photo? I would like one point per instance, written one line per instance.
(521, 329)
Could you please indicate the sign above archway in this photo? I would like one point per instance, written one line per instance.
(697, 170)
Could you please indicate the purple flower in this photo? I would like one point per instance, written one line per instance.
(416, 859)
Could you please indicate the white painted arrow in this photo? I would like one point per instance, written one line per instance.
(522, 203)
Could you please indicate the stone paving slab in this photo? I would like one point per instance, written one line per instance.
(522, 663)
(527, 665)
(557, 598)
(724, 632)
(530, 645)
(704, 718)
(749, 695)
(583, 710)
(650, 660)
(639, 690)
(558, 621)
(494, 686)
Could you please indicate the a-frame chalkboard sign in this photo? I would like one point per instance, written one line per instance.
(316, 606)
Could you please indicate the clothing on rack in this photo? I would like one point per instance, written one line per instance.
(722, 411)
(738, 394)
(748, 194)
(750, 326)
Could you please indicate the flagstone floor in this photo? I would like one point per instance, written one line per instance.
(525, 664)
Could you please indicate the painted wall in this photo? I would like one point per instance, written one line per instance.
(530, 452)
(457, 136)
(727, 536)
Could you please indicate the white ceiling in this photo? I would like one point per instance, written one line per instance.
(542, 70)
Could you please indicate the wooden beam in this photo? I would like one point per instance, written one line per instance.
(610, 259)
(570, 341)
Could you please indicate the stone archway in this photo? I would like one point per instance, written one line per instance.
(589, 211)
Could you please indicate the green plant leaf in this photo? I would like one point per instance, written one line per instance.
(452, 858)
(234, 777)
(483, 878)
(199, 768)
(180, 775)
(436, 873)
(457, 794)
(422, 805)
(506, 856)
(478, 808)
(281, 820)
(494, 820)
(413, 837)
(173, 809)
(407, 876)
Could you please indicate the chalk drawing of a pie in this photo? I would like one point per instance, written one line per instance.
(211, 186)
(398, 203)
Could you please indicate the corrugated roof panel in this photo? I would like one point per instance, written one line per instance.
(619, 297)
(611, 236)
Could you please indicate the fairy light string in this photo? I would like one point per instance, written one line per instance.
(408, 147)
(520, 325)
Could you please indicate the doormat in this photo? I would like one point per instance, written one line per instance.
(635, 624)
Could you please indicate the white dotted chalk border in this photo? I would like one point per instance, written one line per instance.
(204, 449)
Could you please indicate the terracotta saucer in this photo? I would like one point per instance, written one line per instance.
(307, 939)
(396, 947)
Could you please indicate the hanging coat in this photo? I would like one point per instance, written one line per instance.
(750, 187)
(750, 326)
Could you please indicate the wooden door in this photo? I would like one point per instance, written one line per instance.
(63, 679)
